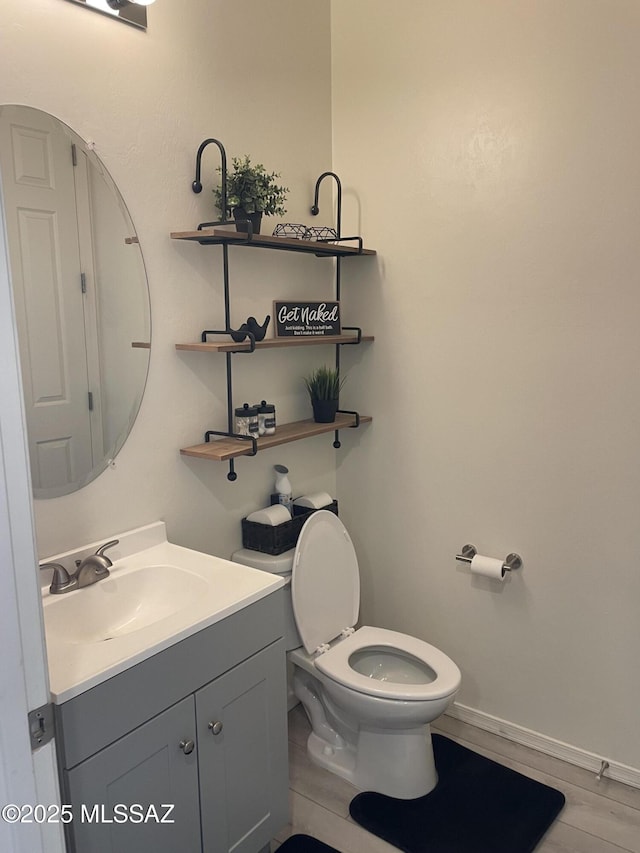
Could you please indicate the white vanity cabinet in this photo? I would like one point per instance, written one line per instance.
(200, 726)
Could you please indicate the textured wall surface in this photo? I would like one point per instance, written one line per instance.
(258, 78)
(492, 151)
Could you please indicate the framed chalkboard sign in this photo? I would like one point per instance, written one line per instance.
(306, 319)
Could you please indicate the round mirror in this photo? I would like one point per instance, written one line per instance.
(81, 300)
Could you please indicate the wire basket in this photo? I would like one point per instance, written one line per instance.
(298, 231)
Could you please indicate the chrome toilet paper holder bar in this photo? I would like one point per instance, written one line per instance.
(511, 562)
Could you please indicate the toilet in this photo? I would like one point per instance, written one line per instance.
(370, 693)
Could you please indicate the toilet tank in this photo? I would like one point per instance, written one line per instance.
(280, 564)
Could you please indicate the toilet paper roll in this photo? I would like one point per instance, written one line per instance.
(273, 515)
(489, 567)
(315, 501)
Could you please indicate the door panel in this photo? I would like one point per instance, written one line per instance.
(25, 777)
(38, 183)
(243, 768)
(146, 767)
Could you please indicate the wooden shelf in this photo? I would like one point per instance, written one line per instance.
(219, 235)
(273, 343)
(223, 449)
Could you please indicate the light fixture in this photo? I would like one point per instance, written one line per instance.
(102, 6)
(132, 12)
(120, 4)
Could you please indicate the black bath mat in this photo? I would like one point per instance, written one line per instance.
(305, 844)
(478, 806)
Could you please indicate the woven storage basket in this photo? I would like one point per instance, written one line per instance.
(276, 539)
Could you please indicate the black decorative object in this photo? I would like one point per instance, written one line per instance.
(297, 231)
(240, 334)
(293, 230)
(321, 232)
(258, 331)
(478, 806)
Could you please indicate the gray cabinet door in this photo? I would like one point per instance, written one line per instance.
(242, 754)
(147, 767)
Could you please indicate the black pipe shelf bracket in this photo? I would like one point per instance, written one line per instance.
(196, 186)
(336, 439)
(243, 239)
(315, 210)
(230, 333)
(358, 339)
(223, 434)
(232, 475)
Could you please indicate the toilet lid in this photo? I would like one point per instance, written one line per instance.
(325, 586)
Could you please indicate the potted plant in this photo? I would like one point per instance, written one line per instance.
(251, 191)
(324, 385)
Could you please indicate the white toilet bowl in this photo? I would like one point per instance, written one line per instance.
(369, 693)
(370, 700)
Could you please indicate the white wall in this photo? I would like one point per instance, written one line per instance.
(489, 153)
(257, 76)
(492, 152)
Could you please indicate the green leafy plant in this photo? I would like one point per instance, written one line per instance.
(252, 188)
(324, 383)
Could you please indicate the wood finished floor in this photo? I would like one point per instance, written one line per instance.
(598, 817)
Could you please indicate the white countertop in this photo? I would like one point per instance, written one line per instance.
(206, 589)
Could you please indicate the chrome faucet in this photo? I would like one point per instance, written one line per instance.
(92, 569)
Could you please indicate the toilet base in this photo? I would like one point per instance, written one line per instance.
(398, 764)
(394, 760)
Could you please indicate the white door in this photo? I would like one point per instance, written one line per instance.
(26, 777)
(40, 204)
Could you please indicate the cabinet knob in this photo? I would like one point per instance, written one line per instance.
(215, 728)
(187, 746)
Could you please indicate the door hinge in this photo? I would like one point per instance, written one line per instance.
(41, 726)
(74, 154)
(90, 396)
(83, 282)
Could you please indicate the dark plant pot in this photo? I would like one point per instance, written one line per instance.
(241, 216)
(324, 411)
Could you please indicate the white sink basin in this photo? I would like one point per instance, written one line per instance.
(157, 594)
(123, 603)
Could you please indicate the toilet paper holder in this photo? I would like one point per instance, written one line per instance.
(511, 562)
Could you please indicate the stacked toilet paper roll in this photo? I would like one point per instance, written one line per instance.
(317, 500)
(488, 567)
(272, 515)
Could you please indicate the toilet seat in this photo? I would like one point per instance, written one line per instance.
(335, 664)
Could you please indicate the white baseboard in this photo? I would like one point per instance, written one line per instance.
(543, 743)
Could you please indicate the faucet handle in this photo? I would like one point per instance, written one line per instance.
(103, 548)
(61, 579)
